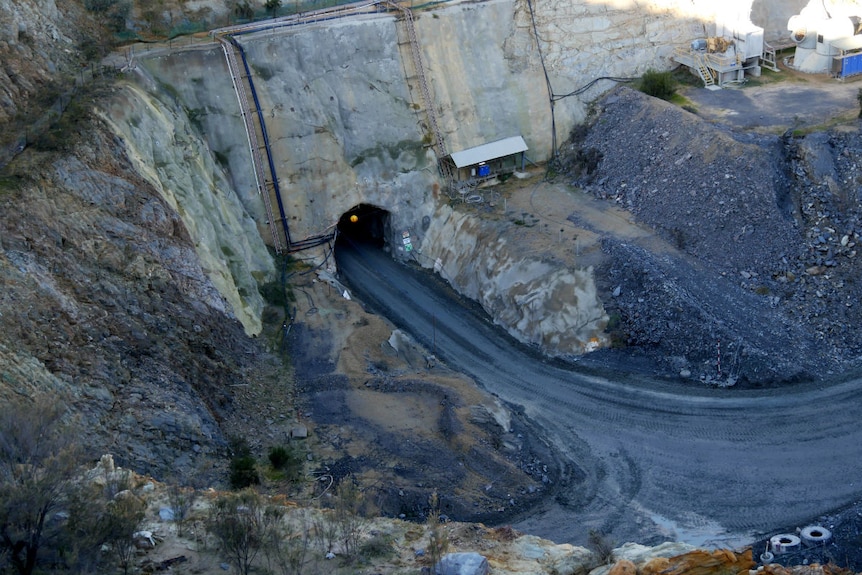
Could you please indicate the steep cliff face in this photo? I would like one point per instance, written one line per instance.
(105, 305)
(36, 47)
(167, 150)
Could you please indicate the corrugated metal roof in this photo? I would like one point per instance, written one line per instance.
(488, 152)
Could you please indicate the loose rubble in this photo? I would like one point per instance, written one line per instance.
(760, 286)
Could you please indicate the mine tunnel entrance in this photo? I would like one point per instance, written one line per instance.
(365, 224)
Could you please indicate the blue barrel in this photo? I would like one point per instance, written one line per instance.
(484, 170)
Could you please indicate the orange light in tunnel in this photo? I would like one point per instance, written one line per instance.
(354, 218)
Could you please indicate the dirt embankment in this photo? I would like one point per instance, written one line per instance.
(761, 286)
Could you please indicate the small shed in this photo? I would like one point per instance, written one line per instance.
(488, 160)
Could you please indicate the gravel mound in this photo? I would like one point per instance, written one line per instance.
(759, 285)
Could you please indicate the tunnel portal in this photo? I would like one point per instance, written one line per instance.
(365, 224)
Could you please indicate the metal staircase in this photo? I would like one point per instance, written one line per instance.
(703, 70)
(407, 37)
(265, 187)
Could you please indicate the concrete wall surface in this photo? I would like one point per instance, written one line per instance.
(348, 125)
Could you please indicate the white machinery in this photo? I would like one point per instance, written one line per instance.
(733, 52)
(823, 31)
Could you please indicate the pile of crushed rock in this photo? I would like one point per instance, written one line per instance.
(760, 284)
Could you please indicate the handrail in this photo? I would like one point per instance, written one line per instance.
(254, 147)
(263, 133)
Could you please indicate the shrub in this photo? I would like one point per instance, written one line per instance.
(242, 524)
(438, 539)
(379, 545)
(244, 10)
(601, 546)
(243, 472)
(243, 469)
(288, 460)
(279, 456)
(658, 84)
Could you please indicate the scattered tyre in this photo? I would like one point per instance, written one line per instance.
(784, 543)
(814, 535)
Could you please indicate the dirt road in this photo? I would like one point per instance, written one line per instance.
(709, 466)
(789, 100)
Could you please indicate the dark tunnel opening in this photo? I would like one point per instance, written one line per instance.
(365, 224)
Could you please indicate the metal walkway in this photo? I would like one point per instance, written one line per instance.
(409, 30)
(264, 187)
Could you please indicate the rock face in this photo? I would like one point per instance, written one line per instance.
(538, 302)
(166, 150)
(105, 305)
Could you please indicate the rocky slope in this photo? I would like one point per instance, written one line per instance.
(105, 303)
(762, 289)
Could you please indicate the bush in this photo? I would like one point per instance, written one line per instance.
(287, 460)
(243, 524)
(601, 546)
(243, 468)
(658, 84)
(438, 538)
(243, 472)
(380, 545)
(279, 456)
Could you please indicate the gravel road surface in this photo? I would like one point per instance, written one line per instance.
(707, 466)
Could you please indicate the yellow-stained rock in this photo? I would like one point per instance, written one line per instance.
(655, 566)
(624, 567)
(719, 562)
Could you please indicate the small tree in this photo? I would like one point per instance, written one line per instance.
(325, 530)
(288, 547)
(37, 463)
(438, 539)
(242, 525)
(122, 518)
(181, 500)
(348, 504)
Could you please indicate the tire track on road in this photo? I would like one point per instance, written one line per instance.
(697, 457)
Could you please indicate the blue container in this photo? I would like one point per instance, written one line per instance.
(483, 170)
(851, 65)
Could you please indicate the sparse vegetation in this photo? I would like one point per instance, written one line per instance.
(658, 84)
(243, 524)
(438, 539)
(243, 467)
(38, 461)
(348, 505)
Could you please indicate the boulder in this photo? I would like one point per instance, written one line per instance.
(624, 567)
(462, 564)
